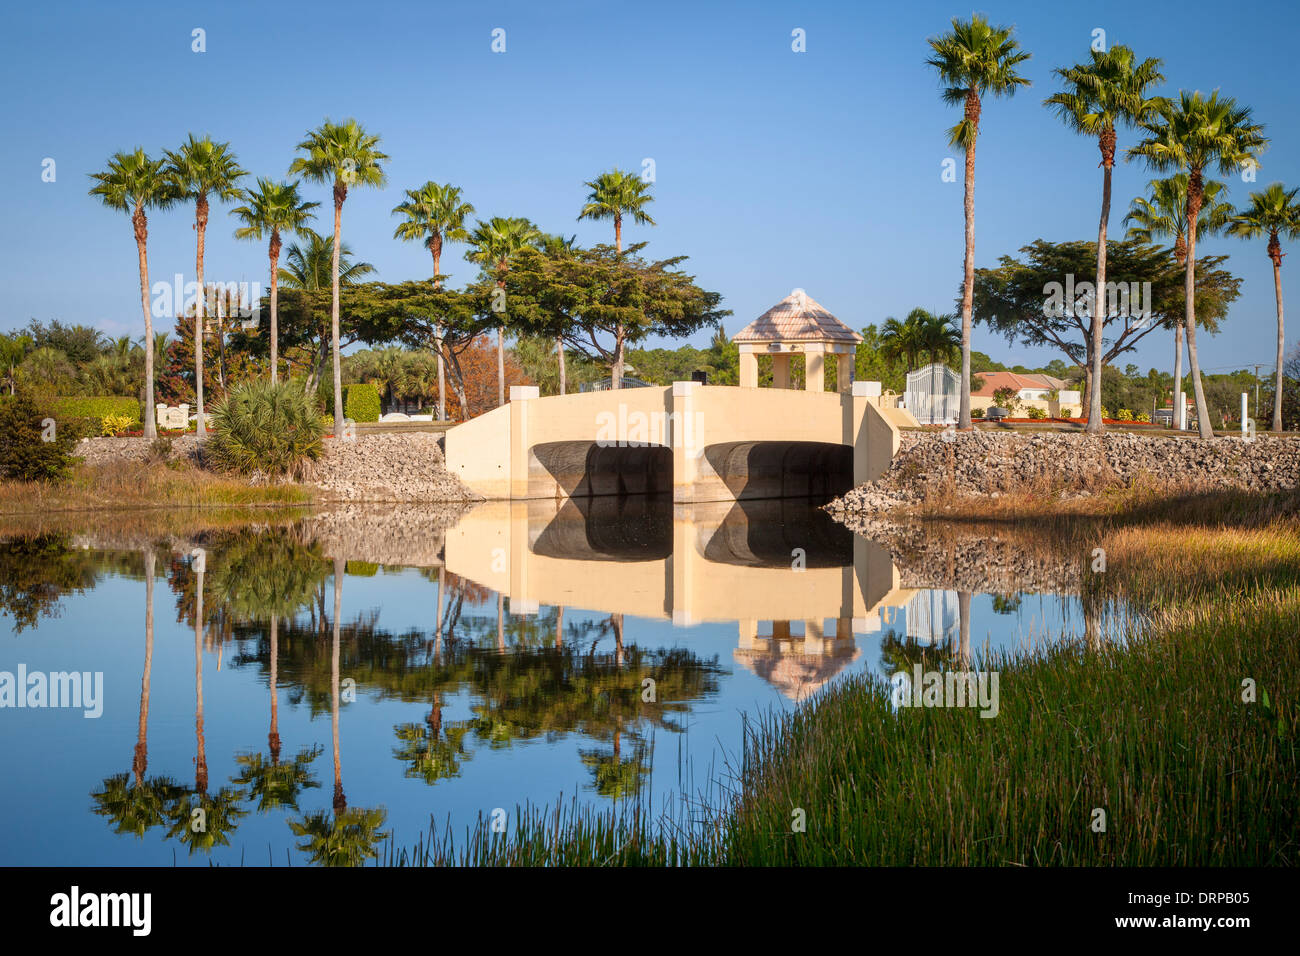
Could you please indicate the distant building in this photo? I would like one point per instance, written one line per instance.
(1035, 390)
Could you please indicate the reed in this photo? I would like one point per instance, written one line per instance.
(1157, 731)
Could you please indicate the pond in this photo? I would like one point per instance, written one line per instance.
(386, 669)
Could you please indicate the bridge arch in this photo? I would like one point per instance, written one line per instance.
(722, 443)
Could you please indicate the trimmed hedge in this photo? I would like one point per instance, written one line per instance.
(98, 407)
(360, 400)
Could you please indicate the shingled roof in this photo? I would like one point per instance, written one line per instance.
(797, 318)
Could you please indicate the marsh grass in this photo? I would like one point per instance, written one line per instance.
(166, 497)
(1153, 730)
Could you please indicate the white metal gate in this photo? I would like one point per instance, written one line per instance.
(933, 394)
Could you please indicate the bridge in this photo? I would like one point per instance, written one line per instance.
(766, 565)
(696, 442)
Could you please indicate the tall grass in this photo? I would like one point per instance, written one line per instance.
(1154, 731)
(165, 497)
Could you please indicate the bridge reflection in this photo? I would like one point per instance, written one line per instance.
(799, 585)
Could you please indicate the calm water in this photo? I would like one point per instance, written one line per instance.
(531, 653)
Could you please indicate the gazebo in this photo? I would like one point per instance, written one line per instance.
(798, 324)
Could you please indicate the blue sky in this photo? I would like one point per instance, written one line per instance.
(774, 169)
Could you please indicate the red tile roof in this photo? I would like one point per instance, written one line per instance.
(996, 380)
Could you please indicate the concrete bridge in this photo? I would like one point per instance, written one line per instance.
(697, 442)
(713, 561)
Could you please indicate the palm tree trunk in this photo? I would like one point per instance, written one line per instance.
(1189, 291)
(617, 621)
(1281, 340)
(273, 738)
(150, 416)
(1107, 145)
(1176, 402)
(200, 753)
(437, 621)
(436, 249)
(275, 289)
(340, 801)
(501, 622)
(501, 367)
(200, 226)
(334, 311)
(968, 282)
(141, 760)
(559, 350)
(442, 381)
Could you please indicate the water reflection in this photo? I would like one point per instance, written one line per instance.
(594, 630)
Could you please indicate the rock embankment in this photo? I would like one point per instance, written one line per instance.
(404, 534)
(383, 467)
(932, 466)
(107, 451)
(405, 466)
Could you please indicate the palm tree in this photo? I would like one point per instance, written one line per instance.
(1163, 215)
(492, 245)
(435, 214)
(937, 335)
(615, 194)
(273, 208)
(309, 268)
(134, 183)
(343, 155)
(973, 59)
(198, 169)
(921, 333)
(1193, 133)
(1276, 213)
(1111, 89)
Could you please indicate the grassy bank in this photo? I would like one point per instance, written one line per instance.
(164, 496)
(1154, 732)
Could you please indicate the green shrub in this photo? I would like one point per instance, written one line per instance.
(1125, 415)
(1037, 414)
(360, 400)
(271, 429)
(95, 408)
(1143, 417)
(360, 569)
(25, 452)
(977, 413)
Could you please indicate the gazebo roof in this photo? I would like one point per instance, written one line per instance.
(797, 318)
